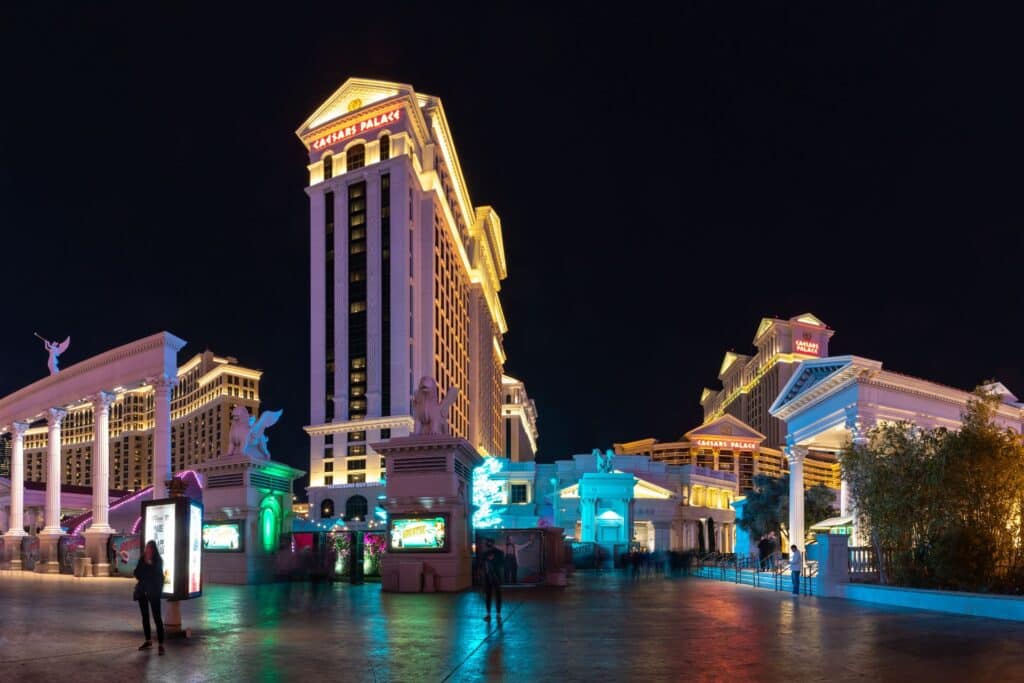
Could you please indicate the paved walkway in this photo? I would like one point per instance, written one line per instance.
(603, 628)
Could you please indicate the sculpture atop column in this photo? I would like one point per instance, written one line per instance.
(429, 413)
(605, 461)
(55, 350)
(247, 433)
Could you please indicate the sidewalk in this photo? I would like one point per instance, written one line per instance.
(602, 628)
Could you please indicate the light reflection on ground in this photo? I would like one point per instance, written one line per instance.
(601, 628)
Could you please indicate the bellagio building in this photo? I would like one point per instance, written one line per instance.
(405, 275)
(209, 386)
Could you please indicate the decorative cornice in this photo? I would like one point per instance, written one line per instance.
(390, 422)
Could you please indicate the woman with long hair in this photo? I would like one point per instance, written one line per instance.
(150, 574)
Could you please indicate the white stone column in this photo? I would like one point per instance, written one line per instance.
(98, 533)
(51, 533)
(795, 455)
(17, 516)
(101, 462)
(54, 416)
(858, 426)
(162, 387)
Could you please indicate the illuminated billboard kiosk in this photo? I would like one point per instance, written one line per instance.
(428, 495)
(175, 525)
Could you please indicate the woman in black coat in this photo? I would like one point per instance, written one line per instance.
(150, 573)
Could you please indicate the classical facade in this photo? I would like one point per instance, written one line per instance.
(639, 502)
(208, 387)
(405, 273)
(725, 444)
(829, 402)
(519, 419)
(96, 382)
(751, 383)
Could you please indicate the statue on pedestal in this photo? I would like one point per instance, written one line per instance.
(246, 436)
(55, 350)
(605, 461)
(430, 414)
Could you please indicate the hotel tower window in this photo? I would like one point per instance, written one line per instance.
(385, 147)
(329, 306)
(355, 157)
(385, 288)
(357, 298)
(328, 166)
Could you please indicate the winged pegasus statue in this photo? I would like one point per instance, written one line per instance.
(247, 432)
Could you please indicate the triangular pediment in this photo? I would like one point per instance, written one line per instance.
(354, 94)
(763, 327)
(646, 490)
(731, 357)
(809, 319)
(726, 428)
(819, 377)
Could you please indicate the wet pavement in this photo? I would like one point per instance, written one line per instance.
(602, 628)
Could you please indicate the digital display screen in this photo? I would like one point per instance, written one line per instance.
(161, 527)
(418, 534)
(223, 537)
(195, 549)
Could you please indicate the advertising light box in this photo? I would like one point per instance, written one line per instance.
(223, 537)
(176, 526)
(418, 533)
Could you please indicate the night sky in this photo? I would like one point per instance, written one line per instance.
(664, 181)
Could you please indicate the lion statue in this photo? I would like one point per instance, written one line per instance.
(246, 435)
(431, 415)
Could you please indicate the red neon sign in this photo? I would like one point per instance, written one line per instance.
(806, 346)
(356, 128)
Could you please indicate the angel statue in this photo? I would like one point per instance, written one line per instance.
(54, 349)
(246, 436)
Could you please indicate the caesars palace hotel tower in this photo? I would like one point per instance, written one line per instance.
(404, 281)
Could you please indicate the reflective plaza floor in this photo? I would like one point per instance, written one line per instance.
(602, 628)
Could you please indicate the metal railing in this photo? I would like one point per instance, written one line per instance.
(751, 570)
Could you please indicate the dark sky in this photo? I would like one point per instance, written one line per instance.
(664, 181)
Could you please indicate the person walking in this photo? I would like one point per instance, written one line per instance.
(796, 563)
(492, 563)
(150, 574)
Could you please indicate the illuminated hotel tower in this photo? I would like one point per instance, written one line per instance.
(405, 274)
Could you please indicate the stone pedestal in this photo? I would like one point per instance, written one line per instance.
(11, 557)
(832, 554)
(430, 476)
(49, 562)
(258, 493)
(606, 512)
(96, 548)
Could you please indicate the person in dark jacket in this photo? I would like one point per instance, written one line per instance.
(150, 574)
(491, 567)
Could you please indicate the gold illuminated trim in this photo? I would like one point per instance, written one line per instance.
(391, 422)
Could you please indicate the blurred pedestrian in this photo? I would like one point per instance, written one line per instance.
(150, 574)
(491, 565)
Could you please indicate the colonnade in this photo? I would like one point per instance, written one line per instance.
(696, 534)
(99, 531)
